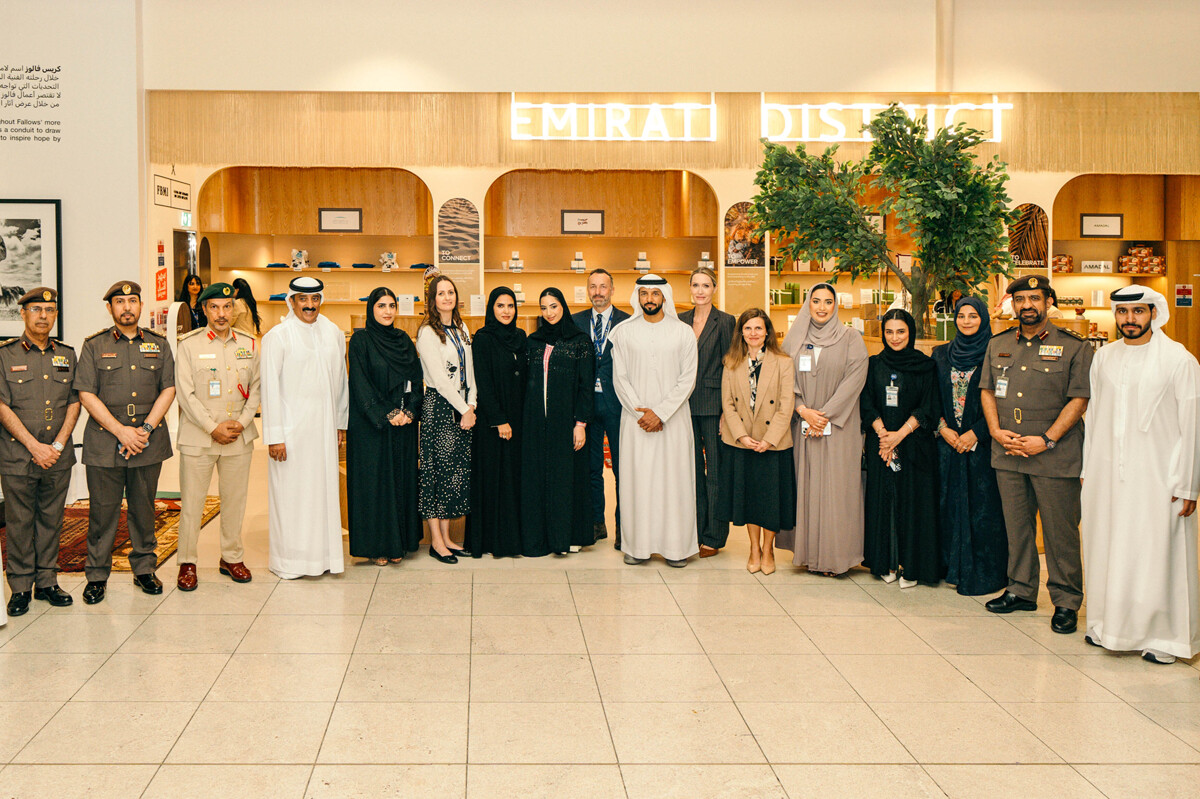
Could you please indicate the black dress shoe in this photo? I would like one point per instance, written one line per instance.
(18, 603)
(1064, 620)
(54, 595)
(600, 530)
(443, 558)
(94, 592)
(148, 583)
(1008, 602)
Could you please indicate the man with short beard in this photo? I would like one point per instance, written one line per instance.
(305, 409)
(1141, 470)
(126, 382)
(654, 371)
(1034, 392)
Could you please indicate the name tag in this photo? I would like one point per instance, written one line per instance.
(148, 348)
(1047, 352)
(244, 353)
(21, 368)
(892, 396)
(108, 355)
(214, 388)
(60, 362)
(1002, 387)
(207, 356)
(598, 386)
(804, 363)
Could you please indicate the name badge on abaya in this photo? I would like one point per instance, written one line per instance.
(892, 396)
(804, 363)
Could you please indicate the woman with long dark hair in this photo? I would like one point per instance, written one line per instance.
(899, 412)
(973, 533)
(245, 308)
(189, 295)
(447, 416)
(381, 445)
(500, 368)
(556, 499)
(757, 475)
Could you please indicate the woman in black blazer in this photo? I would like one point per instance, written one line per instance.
(714, 333)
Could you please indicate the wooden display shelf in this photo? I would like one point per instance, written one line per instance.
(331, 270)
(787, 273)
(494, 271)
(1106, 274)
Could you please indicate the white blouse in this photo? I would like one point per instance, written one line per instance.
(439, 365)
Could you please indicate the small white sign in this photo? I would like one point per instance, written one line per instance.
(406, 305)
(1096, 267)
(478, 307)
(581, 294)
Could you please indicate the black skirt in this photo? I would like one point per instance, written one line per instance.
(445, 461)
(757, 487)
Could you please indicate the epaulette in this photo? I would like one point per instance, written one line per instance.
(8, 341)
(156, 333)
(191, 333)
(58, 343)
(1072, 333)
(98, 333)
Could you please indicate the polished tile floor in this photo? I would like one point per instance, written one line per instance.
(575, 677)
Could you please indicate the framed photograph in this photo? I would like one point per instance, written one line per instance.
(1101, 226)
(876, 221)
(583, 222)
(340, 220)
(30, 256)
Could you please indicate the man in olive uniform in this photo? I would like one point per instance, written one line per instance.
(39, 410)
(126, 381)
(218, 388)
(1035, 388)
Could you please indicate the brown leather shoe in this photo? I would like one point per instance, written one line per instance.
(187, 577)
(236, 572)
(707, 551)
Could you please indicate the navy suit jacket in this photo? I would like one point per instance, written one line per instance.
(604, 367)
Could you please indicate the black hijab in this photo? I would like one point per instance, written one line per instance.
(909, 359)
(967, 352)
(562, 330)
(390, 351)
(511, 337)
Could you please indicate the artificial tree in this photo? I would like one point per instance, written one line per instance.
(955, 209)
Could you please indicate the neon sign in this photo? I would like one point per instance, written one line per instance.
(842, 122)
(613, 121)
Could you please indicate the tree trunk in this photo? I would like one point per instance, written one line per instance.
(921, 290)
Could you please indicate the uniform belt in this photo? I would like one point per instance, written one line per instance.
(131, 410)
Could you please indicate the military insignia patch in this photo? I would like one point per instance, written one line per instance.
(60, 362)
(149, 348)
(242, 352)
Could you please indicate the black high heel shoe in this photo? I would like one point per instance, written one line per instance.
(443, 558)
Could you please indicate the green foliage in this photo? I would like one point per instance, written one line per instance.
(955, 210)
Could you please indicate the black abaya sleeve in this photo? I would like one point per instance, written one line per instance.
(585, 382)
(928, 409)
(490, 410)
(363, 394)
(868, 405)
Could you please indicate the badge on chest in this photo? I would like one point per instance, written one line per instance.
(243, 353)
(891, 394)
(1050, 353)
(149, 349)
(60, 363)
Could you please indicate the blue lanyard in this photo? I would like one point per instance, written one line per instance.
(601, 334)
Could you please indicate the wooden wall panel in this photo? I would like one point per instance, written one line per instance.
(1138, 197)
(286, 200)
(1183, 207)
(637, 204)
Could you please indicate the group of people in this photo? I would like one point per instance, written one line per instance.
(920, 468)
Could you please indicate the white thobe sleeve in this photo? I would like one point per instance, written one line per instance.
(1094, 404)
(341, 388)
(1184, 476)
(678, 396)
(622, 380)
(271, 384)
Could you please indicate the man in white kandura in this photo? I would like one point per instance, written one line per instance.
(654, 370)
(305, 405)
(1141, 476)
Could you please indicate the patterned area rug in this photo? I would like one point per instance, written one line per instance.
(72, 553)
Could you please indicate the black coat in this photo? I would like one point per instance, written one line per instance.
(901, 522)
(556, 497)
(974, 538)
(500, 376)
(711, 349)
(381, 461)
(603, 368)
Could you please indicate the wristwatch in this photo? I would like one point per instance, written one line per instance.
(146, 426)
(1050, 442)
(58, 447)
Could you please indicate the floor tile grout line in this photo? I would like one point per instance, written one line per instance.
(612, 741)
(470, 674)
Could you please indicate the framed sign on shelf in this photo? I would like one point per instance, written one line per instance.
(340, 220)
(1101, 226)
(587, 222)
(30, 256)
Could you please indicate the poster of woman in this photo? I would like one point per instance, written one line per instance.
(744, 246)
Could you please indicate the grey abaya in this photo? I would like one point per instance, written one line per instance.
(828, 536)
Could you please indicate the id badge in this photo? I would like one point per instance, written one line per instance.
(599, 388)
(214, 388)
(804, 363)
(1002, 387)
(892, 394)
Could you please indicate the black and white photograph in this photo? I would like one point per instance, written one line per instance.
(458, 232)
(30, 255)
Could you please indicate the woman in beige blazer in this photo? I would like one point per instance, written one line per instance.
(758, 476)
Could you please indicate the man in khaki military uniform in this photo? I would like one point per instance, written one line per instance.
(126, 381)
(1035, 388)
(218, 387)
(39, 410)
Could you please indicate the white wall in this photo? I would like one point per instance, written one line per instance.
(96, 169)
